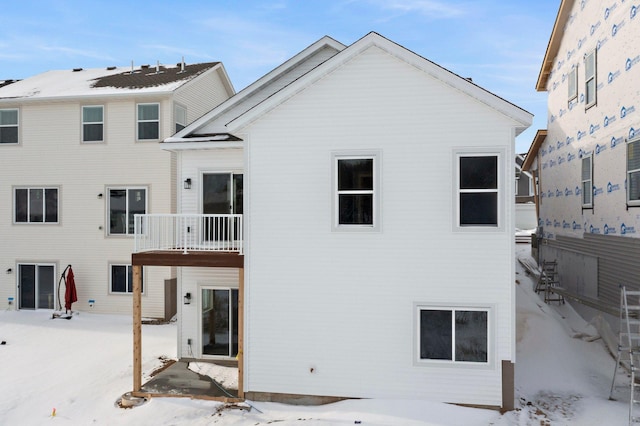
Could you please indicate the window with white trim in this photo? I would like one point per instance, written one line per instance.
(590, 82)
(92, 123)
(457, 335)
(478, 191)
(573, 83)
(9, 126)
(633, 172)
(35, 205)
(587, 181)
(355, 188)
(123, 204)
(180, 115)
(121, 278)
(148, 118)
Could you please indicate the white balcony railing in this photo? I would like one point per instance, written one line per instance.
(188, 232)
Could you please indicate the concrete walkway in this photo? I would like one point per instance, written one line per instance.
(177, 379)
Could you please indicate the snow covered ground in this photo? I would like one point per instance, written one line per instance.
(80, 367)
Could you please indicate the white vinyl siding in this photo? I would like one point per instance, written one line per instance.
(9, 126)
(415, 256)
(180, 117)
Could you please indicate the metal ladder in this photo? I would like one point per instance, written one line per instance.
(629, 347)
(548, 281)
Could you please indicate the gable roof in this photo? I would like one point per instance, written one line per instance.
(554, 44)
(104, 81)
(538, 140)
(219, 122)
(213, 125)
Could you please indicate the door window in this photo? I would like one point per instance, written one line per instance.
(219, 322)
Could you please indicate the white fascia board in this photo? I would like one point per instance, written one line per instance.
(83, 98)
(184, 146)
(523, 119)
(260, 83)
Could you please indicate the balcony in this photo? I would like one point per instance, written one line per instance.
(188, 233)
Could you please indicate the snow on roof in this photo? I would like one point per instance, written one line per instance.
(103, 81)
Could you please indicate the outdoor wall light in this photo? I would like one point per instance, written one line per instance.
(187, 183)
(99, 195)
(187, 299)
(9, 271)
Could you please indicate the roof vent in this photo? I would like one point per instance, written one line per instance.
(77, 69)
(145, 66)
(181, 65)
(111, 68)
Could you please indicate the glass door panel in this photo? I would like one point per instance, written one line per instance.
(216, 199)
(27, 284)
(45, 287)
(219, 322)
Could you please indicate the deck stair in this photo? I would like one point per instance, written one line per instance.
(548, 281)
(628, 356)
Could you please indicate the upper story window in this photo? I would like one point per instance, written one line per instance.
(124, 203)
(356, 197)
(587, 181)
(148, 121)
(9, 125)
(478, 191)
(453, 334)
(573, 83)
(180, 114)
(590, 83)
(36, 205)
(633, 172)
(93, 123)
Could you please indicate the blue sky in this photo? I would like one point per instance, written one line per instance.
(499, 43)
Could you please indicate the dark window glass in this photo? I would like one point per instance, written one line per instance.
(148, 121)
(51, 205)
(9, 134)
(137, 203)
(633, 170)
(479, 208)
(355, 174)
(148, 130)
(355, 209)
(22, 205)
(479, 172)
(478, 192)
(36, 205)
(117, 211)
(471, 336)
(118, 278)
(435, 334)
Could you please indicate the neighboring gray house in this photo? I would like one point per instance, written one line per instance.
(587, 161)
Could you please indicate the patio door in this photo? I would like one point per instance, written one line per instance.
(36, 286)
(221, 194)
(219, 325)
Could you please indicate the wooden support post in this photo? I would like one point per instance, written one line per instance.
(240, 333)
(137, 328)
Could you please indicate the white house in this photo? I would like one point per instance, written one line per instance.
(79, 157)
(358, 202)
(587, 159)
